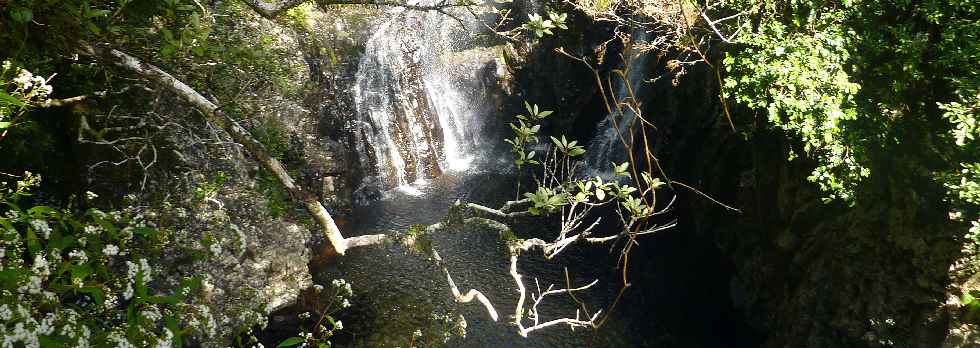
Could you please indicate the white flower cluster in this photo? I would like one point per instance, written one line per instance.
(204, 320)
(133, 271)
(33, 89)
(215, 248)
(39, 271)
(166, 341)
(93, 230)
(344, 291)
(27, 331)
(41, 227)
(343, 286)
(110, 250)
(78, 255)
(151, 313)
(32, 85)
(118, 340)
(5, 313)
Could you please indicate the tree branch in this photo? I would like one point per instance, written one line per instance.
(240, 135)
(271, 10)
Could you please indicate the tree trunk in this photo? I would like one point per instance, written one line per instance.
(240, 135)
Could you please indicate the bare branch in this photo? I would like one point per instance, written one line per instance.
(214, 115)
(271, 10)
(533, 311)
(495, 213)
(470, 295)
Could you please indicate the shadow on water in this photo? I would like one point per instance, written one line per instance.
(678, 298)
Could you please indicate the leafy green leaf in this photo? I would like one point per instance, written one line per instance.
(289, 342)
(21, 15)
(96, 292)
(42, 211)
(7, 99)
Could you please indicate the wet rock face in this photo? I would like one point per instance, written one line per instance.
(252, 261)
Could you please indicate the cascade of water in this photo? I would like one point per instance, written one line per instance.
(415, 111)
(607, 145)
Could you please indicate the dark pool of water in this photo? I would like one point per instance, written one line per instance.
(679, 297)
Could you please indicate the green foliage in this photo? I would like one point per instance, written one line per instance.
(76, 279)
(565, 189)
(210, 189)
(854, 82)
(541, 26)
(569, 148)
(966, 184)
(971, 302)
(274, 136)
(545, 200)
(886, 146)
(415, 237)
(799, 78)
(276, 196)
(525, 134)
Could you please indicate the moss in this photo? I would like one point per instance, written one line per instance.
(415, 238)
(455, 215)
(508, 236)
(416, 230)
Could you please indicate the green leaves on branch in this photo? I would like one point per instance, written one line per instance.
(545, 200)
(621, 169)
(534, 115)
(636, 207)
(525, 133)
(568, 148)
(966, 183)
(541, 26)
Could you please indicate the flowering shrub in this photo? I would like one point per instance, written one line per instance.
(82, 279)
(20, 91)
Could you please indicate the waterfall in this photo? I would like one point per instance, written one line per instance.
(607, 146)
(415, 100)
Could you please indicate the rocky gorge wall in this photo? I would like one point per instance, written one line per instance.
(221, 216)
(790, 269)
